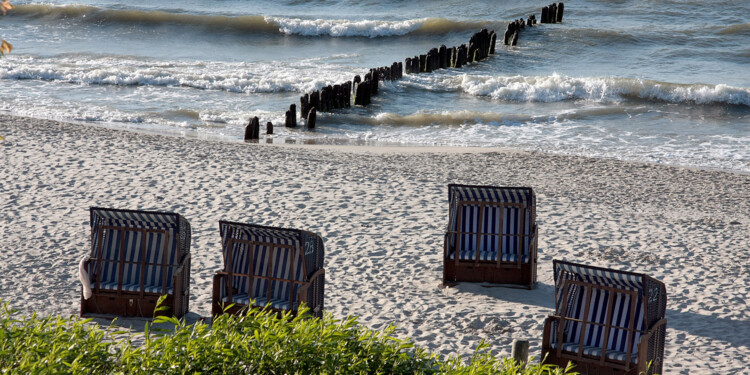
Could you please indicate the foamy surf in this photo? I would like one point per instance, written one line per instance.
(258, 77)
(556, 88)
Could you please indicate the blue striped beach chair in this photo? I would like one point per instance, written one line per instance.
(136, 256)
(266, 266)
(606, 321)
(493, 231)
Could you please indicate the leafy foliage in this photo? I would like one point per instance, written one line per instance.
(256, 342)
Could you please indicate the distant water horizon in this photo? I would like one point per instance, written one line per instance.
(663, 82)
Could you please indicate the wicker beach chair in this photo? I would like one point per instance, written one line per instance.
(136, 257)
(493, 231)
(606, 321)
(270, 266)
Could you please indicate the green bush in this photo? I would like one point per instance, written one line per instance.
(258, 342)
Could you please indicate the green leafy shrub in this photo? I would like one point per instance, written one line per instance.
(258, 342)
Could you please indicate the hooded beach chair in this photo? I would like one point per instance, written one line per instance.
(278, 267)
(606, 321)
(136, 257)
(493, 231)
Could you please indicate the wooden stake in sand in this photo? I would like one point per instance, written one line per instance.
(520, 351)
(252, 130)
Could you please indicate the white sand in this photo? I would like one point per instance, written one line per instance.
(382, 213)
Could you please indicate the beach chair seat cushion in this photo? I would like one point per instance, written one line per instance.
(276, 303)
(596, 351)
(488, 256)
(134, 288)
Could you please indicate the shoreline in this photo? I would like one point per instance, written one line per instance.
(354, 147)
(382, 213)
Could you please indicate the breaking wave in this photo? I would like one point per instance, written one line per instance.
(252, 23)
(557, 88)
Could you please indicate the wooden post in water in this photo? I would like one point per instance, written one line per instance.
(314, 100)
(443, 56)
(552, 15)
(560, 10)
(310, 123)
(493, 40)
(348, 94)
(463, 54)
(545, 15)
(508, 38)
(293, 115)
(304, 105)
(269, 128)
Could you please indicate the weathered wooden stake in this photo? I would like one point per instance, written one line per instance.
(545, 15)
(293, 115)
(269, 127)
(304, 105)
(560, 10)
(443, 54)
(314, 100)
(252, 130)
(493, 40)
(310, 123)
(509, 34)
(520, 351)
(552, 13)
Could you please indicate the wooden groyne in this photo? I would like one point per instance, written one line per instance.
(359, 91)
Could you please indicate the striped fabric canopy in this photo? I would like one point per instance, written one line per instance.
(142, 244)
(593, 288)
(267, 254)
(490, 218)
(488, 194)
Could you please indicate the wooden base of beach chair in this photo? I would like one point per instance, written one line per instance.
(489, 272)
(127, 304)
(591, 366)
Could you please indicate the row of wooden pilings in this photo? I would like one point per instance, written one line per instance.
(481, 45)
(553, 13)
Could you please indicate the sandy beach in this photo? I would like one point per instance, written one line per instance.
(382, 213)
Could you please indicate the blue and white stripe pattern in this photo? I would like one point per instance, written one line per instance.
(494, 218)
(624, 304)
(126, 240)
(275, 253)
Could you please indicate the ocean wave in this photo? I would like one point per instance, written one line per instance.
(736, 29)
(421, 118)
(557, 88)
(369, 28)
(258, 77)
(96, 15)
(252, 23)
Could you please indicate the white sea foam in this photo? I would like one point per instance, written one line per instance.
(555, 88)
(258, 77)
(345, 28)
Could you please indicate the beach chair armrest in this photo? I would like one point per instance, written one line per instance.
(547, 330)
(180, 286)
(643, 344)
(647, 335)
(302, 293)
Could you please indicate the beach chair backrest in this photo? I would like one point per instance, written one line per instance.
(601, 306)
(265, 263)
(134, 249)
(491, 219)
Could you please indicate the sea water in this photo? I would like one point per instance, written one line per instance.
(656, 81)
